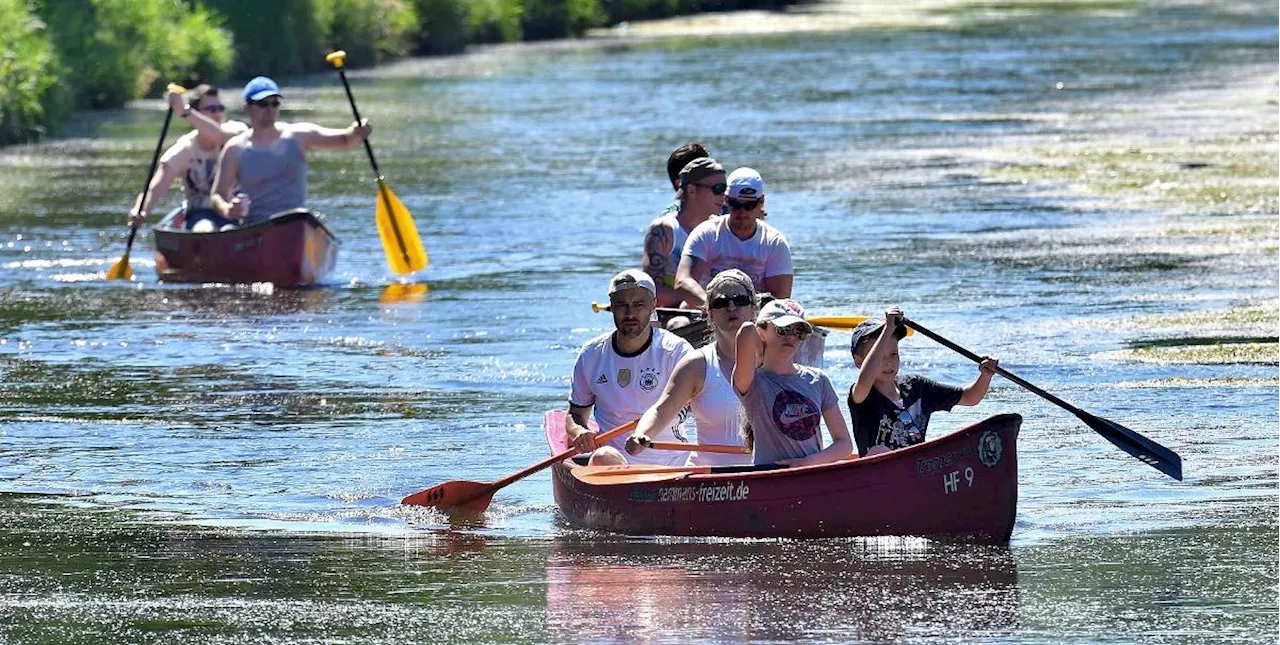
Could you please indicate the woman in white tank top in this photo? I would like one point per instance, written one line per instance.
(701, 379)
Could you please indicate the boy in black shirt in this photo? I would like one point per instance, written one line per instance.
(891, 411)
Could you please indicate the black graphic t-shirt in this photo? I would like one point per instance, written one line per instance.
(878, 422)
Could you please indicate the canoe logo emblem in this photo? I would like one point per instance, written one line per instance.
(990, 448)
(624, 377)
(648, 380)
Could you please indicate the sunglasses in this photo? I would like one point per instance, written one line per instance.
(213, 108)
(716, 189)
(268, 102)
(721, 302)
(741, 205)
(799, 331)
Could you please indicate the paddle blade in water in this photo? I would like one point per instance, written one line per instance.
(120, 270)
(400, 239)
(1146, 450)
(464, 495)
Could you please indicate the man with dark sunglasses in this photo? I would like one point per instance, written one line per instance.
(701, 185)
(269, 162)
(194, 157)
(739, 241)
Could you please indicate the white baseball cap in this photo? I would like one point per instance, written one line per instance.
(783, 312)
(630, 279)
(745, 184)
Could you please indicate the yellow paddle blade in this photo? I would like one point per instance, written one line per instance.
(337, 59)
(120, 270)
(402, 292)
(400, 239)
(842, 322)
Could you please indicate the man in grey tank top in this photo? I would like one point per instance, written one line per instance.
(269, 162)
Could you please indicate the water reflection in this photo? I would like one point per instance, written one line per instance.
(847, 590)
(404, 292)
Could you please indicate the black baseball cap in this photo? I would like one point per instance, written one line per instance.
(869, 330)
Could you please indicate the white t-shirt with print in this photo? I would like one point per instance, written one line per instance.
(764, 255)
(196, 165)
(622, 387)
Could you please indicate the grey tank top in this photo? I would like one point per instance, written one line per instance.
(274, 177)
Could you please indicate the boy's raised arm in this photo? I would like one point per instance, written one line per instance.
(978, 388)
(871, 364)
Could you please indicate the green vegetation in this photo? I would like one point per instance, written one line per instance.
(61, 55)
(117, 50)
(31, 98)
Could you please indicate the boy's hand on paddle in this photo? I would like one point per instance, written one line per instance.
(892, 319)
(636, 443)
(137, 217)
(988, 365)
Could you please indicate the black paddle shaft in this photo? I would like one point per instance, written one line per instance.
(146, 185)
(1146, 450)
(368, 148)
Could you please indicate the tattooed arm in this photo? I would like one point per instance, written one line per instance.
(658, 241)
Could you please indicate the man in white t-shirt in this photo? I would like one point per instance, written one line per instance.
(622, 373)
(193, 158)
(740, 241)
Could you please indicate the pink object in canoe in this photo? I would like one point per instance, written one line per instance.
(961, 486)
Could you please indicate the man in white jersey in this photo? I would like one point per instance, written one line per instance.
(622, 373)
(740, 241)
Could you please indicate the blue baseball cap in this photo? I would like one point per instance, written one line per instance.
(260, 88)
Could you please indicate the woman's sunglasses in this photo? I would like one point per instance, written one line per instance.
(272, 103)
(716, 189)
(721, 302)
(741, 205)
(799, 331)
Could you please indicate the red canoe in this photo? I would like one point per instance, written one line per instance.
(961, 486)
(290, 249)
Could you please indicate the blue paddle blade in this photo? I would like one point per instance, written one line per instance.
(1144, 449)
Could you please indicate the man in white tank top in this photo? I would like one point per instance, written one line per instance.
(623, 372)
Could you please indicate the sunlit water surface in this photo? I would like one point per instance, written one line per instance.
(183, 462)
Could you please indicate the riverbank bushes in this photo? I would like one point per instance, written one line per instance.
(58, 55)
(31, 97)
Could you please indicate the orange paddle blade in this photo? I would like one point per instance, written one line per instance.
(398, 233)
(466, 495)
(120, 270)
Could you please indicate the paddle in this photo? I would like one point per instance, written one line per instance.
(1146, 450)
(674, 311)
(474, 497)
(120, 270)
(840, 322)
(399, 235)
(698, 447)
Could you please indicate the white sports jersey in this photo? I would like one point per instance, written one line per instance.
(622, 387)
(764, 255)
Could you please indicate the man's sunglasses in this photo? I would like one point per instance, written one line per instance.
(721, 302)
(742, 205)
(213, 108)
(716, 189)
(269, 102)
(799, 331)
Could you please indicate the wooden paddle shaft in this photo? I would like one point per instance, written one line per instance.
(699, 447)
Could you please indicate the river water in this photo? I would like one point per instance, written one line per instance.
(1087, 190)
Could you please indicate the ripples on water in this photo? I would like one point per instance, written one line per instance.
(283, 421)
